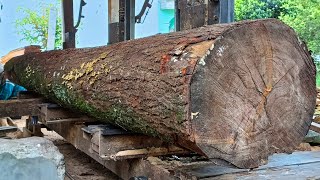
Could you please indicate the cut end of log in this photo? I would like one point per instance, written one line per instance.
(253, 94)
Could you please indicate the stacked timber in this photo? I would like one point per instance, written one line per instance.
(237, 92)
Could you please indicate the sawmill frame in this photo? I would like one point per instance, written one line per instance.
(122, 18)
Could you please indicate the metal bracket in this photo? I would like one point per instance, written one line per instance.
(1, 7)
(146, 5)
(82, 3)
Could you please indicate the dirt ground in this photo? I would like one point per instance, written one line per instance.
(79, 166)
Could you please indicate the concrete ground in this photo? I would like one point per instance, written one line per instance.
(79, 166)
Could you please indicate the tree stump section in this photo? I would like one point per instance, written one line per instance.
(237, 92)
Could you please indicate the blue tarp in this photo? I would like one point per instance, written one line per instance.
(9, 89)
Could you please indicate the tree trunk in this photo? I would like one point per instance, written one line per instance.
(237, 92)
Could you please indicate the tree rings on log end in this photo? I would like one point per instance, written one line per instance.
(253, 95)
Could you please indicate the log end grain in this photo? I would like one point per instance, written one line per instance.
(253, 95)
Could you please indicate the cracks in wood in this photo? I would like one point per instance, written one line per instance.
(275, 84)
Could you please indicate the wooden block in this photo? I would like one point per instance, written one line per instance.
(315, 127)
(54, 114)
(129, 146)
(17, 107)
(6, 129)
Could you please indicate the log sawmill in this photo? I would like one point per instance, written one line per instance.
(216, 99)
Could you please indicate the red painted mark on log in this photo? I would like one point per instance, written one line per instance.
(163, 63)
(184, 71)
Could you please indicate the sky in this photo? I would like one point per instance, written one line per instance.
(92, 32)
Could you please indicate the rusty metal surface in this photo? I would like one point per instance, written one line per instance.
(196, 13)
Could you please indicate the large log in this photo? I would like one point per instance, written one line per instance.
(237, 92)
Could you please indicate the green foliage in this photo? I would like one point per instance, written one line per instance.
(33, 27)
(304, 18)
(257, 9)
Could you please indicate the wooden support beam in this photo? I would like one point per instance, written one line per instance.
(19, 107)
(58, 115)
(315, 127)
(128, 146)
(7, 129)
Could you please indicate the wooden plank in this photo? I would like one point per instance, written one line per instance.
(128, 146)
(150, 151)
(315, 127)
(125, 169)
(85, 119)
(6, 129)
(52, 113)
(20, 107)
(105, 130)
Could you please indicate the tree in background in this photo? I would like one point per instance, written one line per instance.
(302, 16)
(33, 27)
(257, 9)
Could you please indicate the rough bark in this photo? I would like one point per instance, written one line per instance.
(237, 92)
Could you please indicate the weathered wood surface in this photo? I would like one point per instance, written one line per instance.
(20, 107)
(238, 92)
